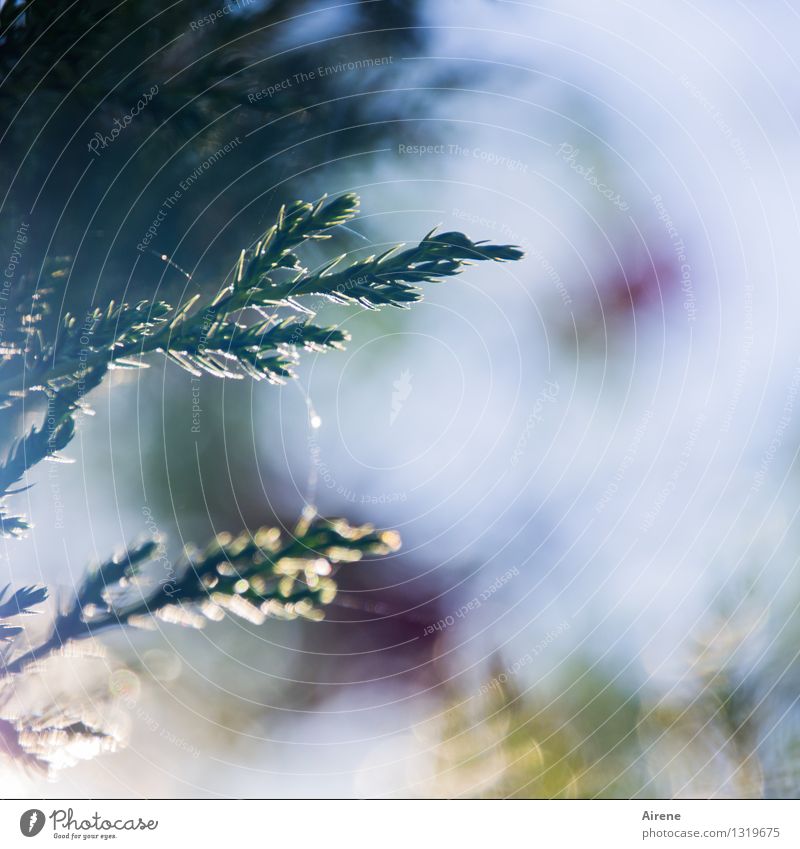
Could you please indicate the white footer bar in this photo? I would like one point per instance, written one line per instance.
(400, 824)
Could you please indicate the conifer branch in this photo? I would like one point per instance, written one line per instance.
(19, 604)
(42, 443)
(267, 574)
(213, 336)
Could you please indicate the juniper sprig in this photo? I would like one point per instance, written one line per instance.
(41, 443)
(19, 603)
(217, 335)
(253, 576)
(391, 278)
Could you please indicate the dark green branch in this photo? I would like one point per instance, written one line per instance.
(267, 574)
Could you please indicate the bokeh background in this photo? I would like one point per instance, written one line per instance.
(590, 455)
